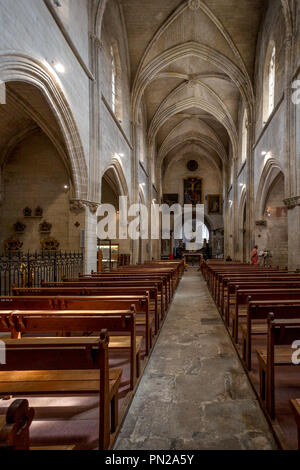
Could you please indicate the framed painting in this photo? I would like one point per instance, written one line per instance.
(214, 204)
(192, 191)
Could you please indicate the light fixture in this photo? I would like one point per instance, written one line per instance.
(264, 153)
(59, 68)
(121, 155)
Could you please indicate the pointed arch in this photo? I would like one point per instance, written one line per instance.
(271, 171)
(19, 67)
(116, 169)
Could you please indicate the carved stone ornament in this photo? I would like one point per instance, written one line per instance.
(19, 227)
(49, 244)
(194, 4)
(27, 212)
(292, 202)
(38, 212)
(13, 244)
(261, 223)
(77, 205)
(45, 227)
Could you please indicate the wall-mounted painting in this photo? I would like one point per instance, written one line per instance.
(214, 204)
(192, 191)
(170, 199)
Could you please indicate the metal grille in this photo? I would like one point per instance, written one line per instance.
(29, 269)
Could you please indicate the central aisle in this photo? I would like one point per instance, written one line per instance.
(194, 393)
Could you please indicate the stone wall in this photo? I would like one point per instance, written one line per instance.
(35, 176)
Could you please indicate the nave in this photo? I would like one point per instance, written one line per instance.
(194, 393)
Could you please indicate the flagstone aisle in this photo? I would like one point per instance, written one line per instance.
(194, 393)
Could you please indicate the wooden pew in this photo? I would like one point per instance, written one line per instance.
(94, 291)
(226, 279)
(243, 296)
(254, 285)
(127, 276)
(140, 304)
(115, 284)
(295, 404)
(14, 426)
(73, 367)
(282, 332)
(67, 322)
(259, 311)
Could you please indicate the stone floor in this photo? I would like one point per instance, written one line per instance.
(194, 393)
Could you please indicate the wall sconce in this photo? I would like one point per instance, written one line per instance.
(66, 188)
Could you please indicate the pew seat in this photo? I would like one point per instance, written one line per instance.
(56, 381)
(283, 356)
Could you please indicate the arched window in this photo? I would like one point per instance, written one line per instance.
(141, 138)
(272, 82)
(244, 137)
(269, 82)
(113, 80)
(116, 83)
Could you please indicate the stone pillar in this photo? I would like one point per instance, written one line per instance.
(293, 205)
(90, 227)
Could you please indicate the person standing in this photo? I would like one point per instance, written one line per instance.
(254, 256)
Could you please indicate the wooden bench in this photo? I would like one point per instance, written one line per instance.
(243, 296)
(67, 322)
(259, 311)
(73, 367)
(224, 290)
(96, 291)
(127, 276)
(103, 303)
(86, 286)
(14, 426)
(295, 403)
(281, 334)
(255, 285)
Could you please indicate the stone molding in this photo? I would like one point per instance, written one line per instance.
(261, 223)
(194, 5)
(78, 205)
(292, 202)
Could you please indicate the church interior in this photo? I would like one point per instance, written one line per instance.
(111, 341)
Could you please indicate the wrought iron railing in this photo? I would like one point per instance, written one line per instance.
(29, 269)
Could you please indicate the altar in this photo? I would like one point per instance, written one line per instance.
(194, 258)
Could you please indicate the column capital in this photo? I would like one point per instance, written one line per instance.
(78, 205)
(292, 202)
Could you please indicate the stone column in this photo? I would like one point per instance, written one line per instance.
(90, 236)
(293, 206)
